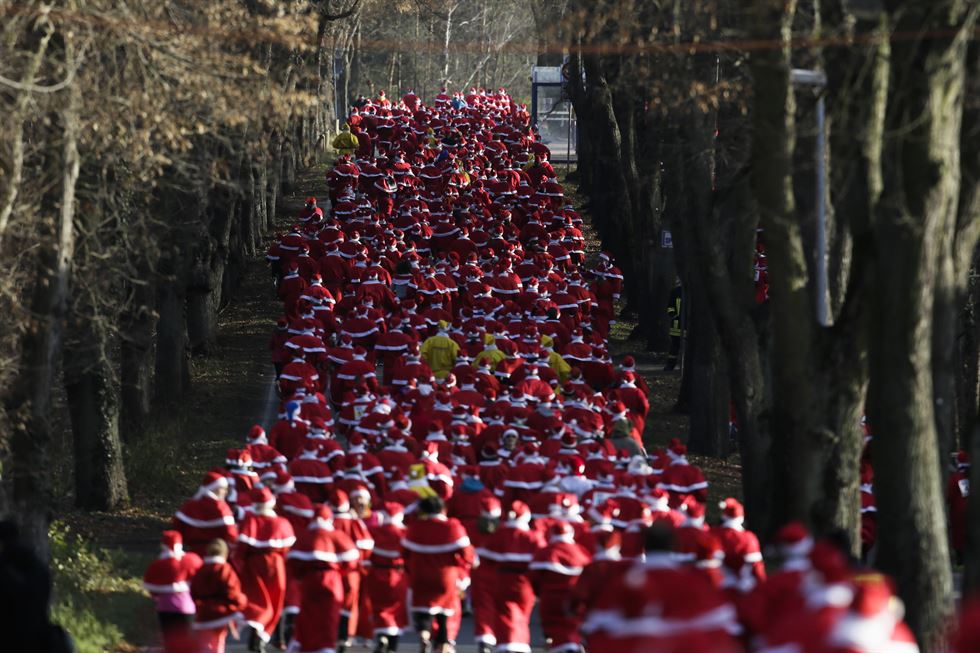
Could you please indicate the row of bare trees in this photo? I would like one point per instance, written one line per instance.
(690, 122)
(145, 147)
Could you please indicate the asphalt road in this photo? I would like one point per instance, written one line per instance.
(409, 642)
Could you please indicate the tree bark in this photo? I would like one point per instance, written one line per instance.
(93, 403)
(171, 371)
(29, 401)
(918, 203)
(136, 361)
(797, 452)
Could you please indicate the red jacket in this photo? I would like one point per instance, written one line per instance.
(217, 594)
(438, 555)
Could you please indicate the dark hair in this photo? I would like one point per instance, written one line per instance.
(431, 506)
(658, 537)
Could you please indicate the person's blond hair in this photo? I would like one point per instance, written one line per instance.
(217, 549)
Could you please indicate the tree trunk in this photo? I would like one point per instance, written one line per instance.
(29, 401)
(136, 362)
(854, 130)
(918, 203)
(93, 403)
(171, 371)
(797, 452)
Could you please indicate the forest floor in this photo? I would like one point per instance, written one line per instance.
(233, 388)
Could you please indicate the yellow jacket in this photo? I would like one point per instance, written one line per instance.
(559, 365)
(495, 356)
(440, 352)
(345, 142)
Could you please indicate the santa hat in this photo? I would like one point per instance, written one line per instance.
(962, 459)
(676, 449)
(322, 517)
(238, 458)
(561, 531)
(356, 443)
(628, 363)
(262, 499)
(659, 499)
(256, 435)
(604, 515)
(518, 514)
(338, 500)
(213, 480)
(732, 510)
(617, 410)
(172, 543)
(794, 540)
(694, 510)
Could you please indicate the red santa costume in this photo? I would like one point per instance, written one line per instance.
(438, 556)
(555, 570)
(957, 497)
(207, 516)
(508, 552)
(219, 600)
(386, 583)
(168, 580)
(319, 561)
(682, 479)
(483, 575)
(743, 567)
(657, 606)
(260, 559)
(782, 593)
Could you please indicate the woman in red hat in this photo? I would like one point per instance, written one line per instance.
(168, 580)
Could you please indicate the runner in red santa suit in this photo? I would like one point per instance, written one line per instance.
(319, 561)
(655, 605)
(606, 564)
(782, 593)
(347, 522)
(744, 568)
(555, 570)
(386, 583)
(260, 559)
(218, 598)
(509, 552)
(207, 515)
(168, 580)
(957, 496)
(438, 556)
(681, 479)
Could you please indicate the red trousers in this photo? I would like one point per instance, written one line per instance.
(386, 589)
(213, 640)
(514, 601)
(484, 609)
(263, 577)
(316, 625)
(352, 595)
(558, 624)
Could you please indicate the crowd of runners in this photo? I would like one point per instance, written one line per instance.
(455, 439)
